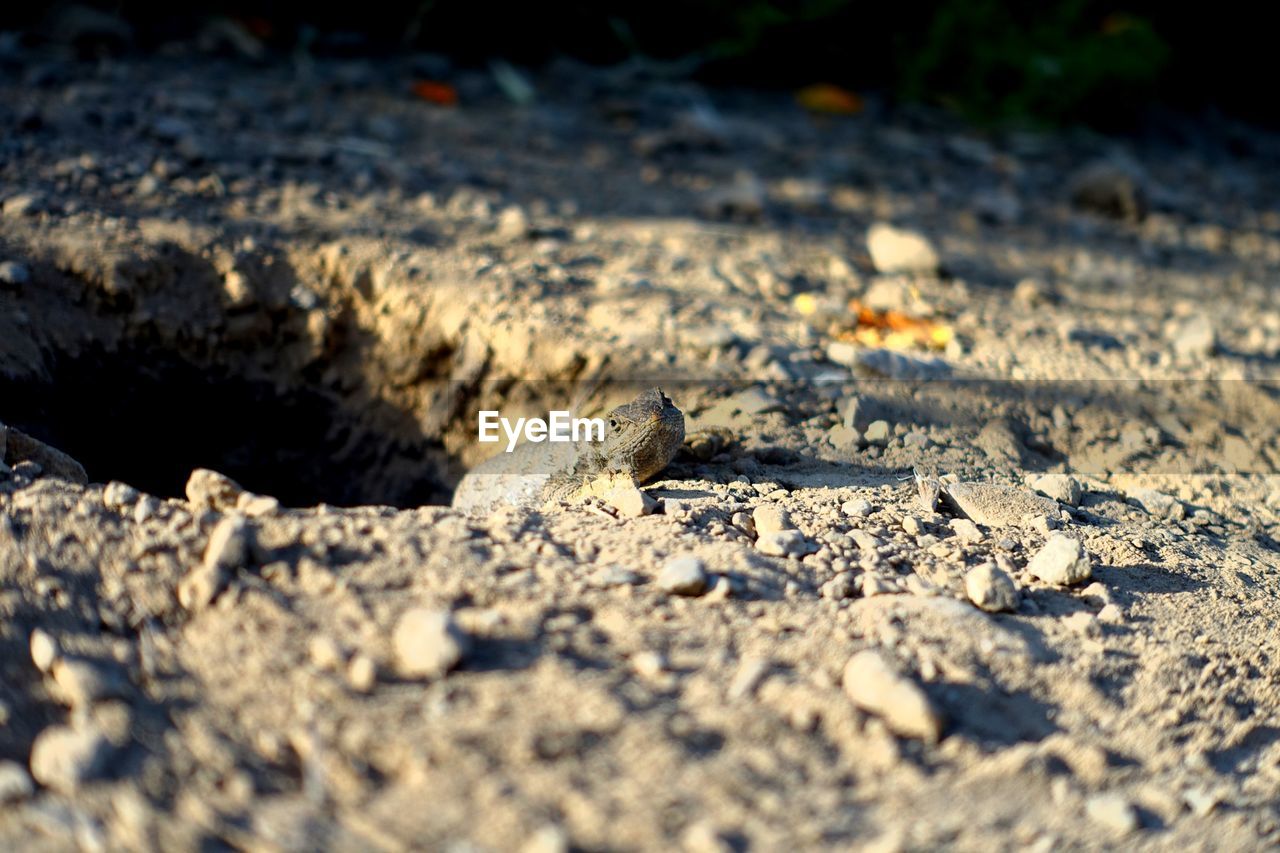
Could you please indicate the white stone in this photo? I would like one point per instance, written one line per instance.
(684, 575)
(1061, 561)
(897, 250)
(428, 643)
(877, 688)
(1061, 487)
(991, 589)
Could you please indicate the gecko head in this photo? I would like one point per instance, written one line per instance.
(644, 434)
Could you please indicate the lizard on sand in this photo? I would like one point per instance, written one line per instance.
(643, 436)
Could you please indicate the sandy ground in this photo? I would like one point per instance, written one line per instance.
(310, 281)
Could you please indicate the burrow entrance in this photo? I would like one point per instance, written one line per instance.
(147, 416)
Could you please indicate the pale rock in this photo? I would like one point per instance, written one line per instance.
(15, 783)
(898, 250)
(966, 531)
(1061, 487)
(857, 508)
(118, 495)
(1062, 561)
(877, 688)
(877, 433)
(210, 490)
(44, 649)
(64, 757)
(784, 543)
(1112, 811)
(428, 643)
(629, 500)
(991, 589)
(771, 518)
(685, 575)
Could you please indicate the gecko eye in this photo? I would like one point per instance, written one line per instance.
(613, 424)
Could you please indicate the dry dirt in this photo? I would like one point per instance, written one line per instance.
(306, 279)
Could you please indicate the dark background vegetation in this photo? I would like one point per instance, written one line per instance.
(1100, 62)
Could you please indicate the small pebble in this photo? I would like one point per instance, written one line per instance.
(844, 437)
(898, 250)
(1062, 561)
(64, 757)
(226, 553)
(15, 782)
(683, 576)
(428, 643)
(966, 531)
(1113, 812)
(991, 589)
(324, 653)
(630, 501)
(784, 543)
(771, 518)
(1195, 339)
(257, 506)
(912, 525)
(750, 673)
(877, 433)
(877, 688)
(916, 439)
(649, 664)
(44, 649)
(210, 490)
(703, 837)
(548, 839)
(841, 586)
(81, 682)
(1061, 487)
(14, 273)
(1111, 614)
(865, 540)
(857, 508)
(119, 495)
(362, 673)
(1082, 623)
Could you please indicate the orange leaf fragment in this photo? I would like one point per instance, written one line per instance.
(433, 92)
(894, 329)
(831, 99)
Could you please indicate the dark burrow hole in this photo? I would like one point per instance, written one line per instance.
(147, 416)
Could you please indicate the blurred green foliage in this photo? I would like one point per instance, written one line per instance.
(1051, 63)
